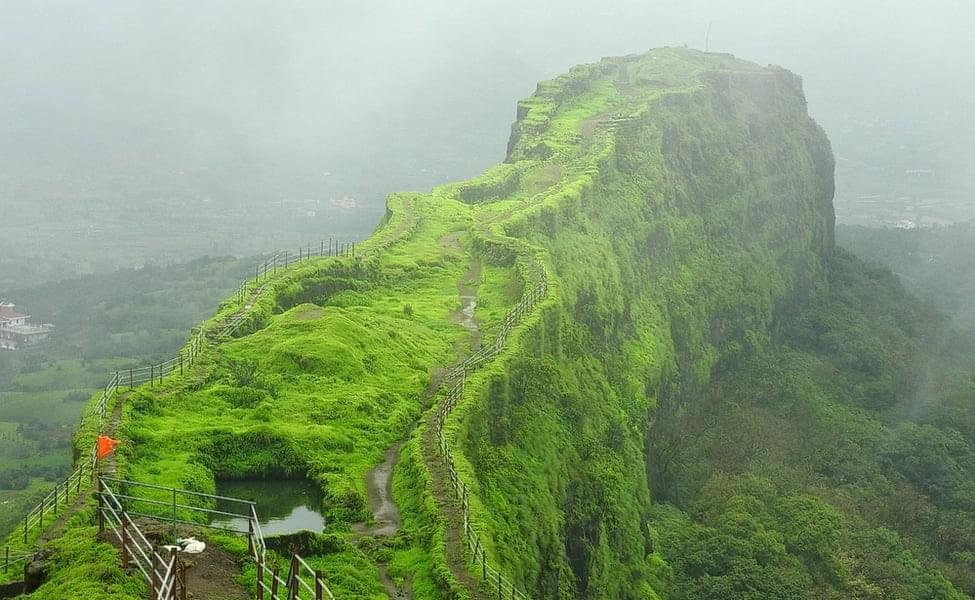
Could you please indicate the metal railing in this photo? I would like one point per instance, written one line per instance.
(60, 496)
(295, 584)
(492, 577)
(268, 269)
(152, 374)
(155, 373)
(71, 486)
(11, 558)
(158, 568)
(121, 497)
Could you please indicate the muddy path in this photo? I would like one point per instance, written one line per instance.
(448, 507)
(379, 487)
(387, 519)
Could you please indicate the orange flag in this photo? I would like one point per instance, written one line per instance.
(106, 446)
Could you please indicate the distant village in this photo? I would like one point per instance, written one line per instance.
(17, 331)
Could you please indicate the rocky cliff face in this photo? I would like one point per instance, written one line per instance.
(699, 213)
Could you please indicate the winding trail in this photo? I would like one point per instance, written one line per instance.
(379, 484)
(446, 504)
(379, 481)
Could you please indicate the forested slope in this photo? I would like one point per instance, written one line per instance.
(699, 403)
(936, 263)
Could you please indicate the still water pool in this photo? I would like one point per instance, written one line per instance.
(283, 505)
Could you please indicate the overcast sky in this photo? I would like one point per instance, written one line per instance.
(404, 94)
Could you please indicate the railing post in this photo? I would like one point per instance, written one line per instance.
(101, 506)
(319, 586)
(500, 591)
(25, 528)
(274, 582)
(41, 525)
(174, 513)
(56, 498)
(6, 558)
(293, 575)
(260, 578)
(125, 539)
(153, 565)
(250, 537)
(174, 557)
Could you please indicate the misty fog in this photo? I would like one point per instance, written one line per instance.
(648, 357)
(135, 132)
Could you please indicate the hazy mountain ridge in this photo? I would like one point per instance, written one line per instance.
(698, 320)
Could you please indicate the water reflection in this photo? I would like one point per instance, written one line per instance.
(283, 505)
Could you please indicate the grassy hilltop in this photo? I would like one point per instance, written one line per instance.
(680, 206)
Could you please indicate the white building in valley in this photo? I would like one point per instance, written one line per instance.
(16, 330)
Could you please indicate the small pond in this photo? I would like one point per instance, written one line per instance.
(283, 505)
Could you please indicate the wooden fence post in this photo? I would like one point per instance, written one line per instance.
(6, 559)
(250, 537)
(153, 566)
(25, 529)
(274, 582)
(319, 586)
(260, 578)
(293, 574)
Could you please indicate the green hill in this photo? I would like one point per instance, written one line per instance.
(706, 400)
